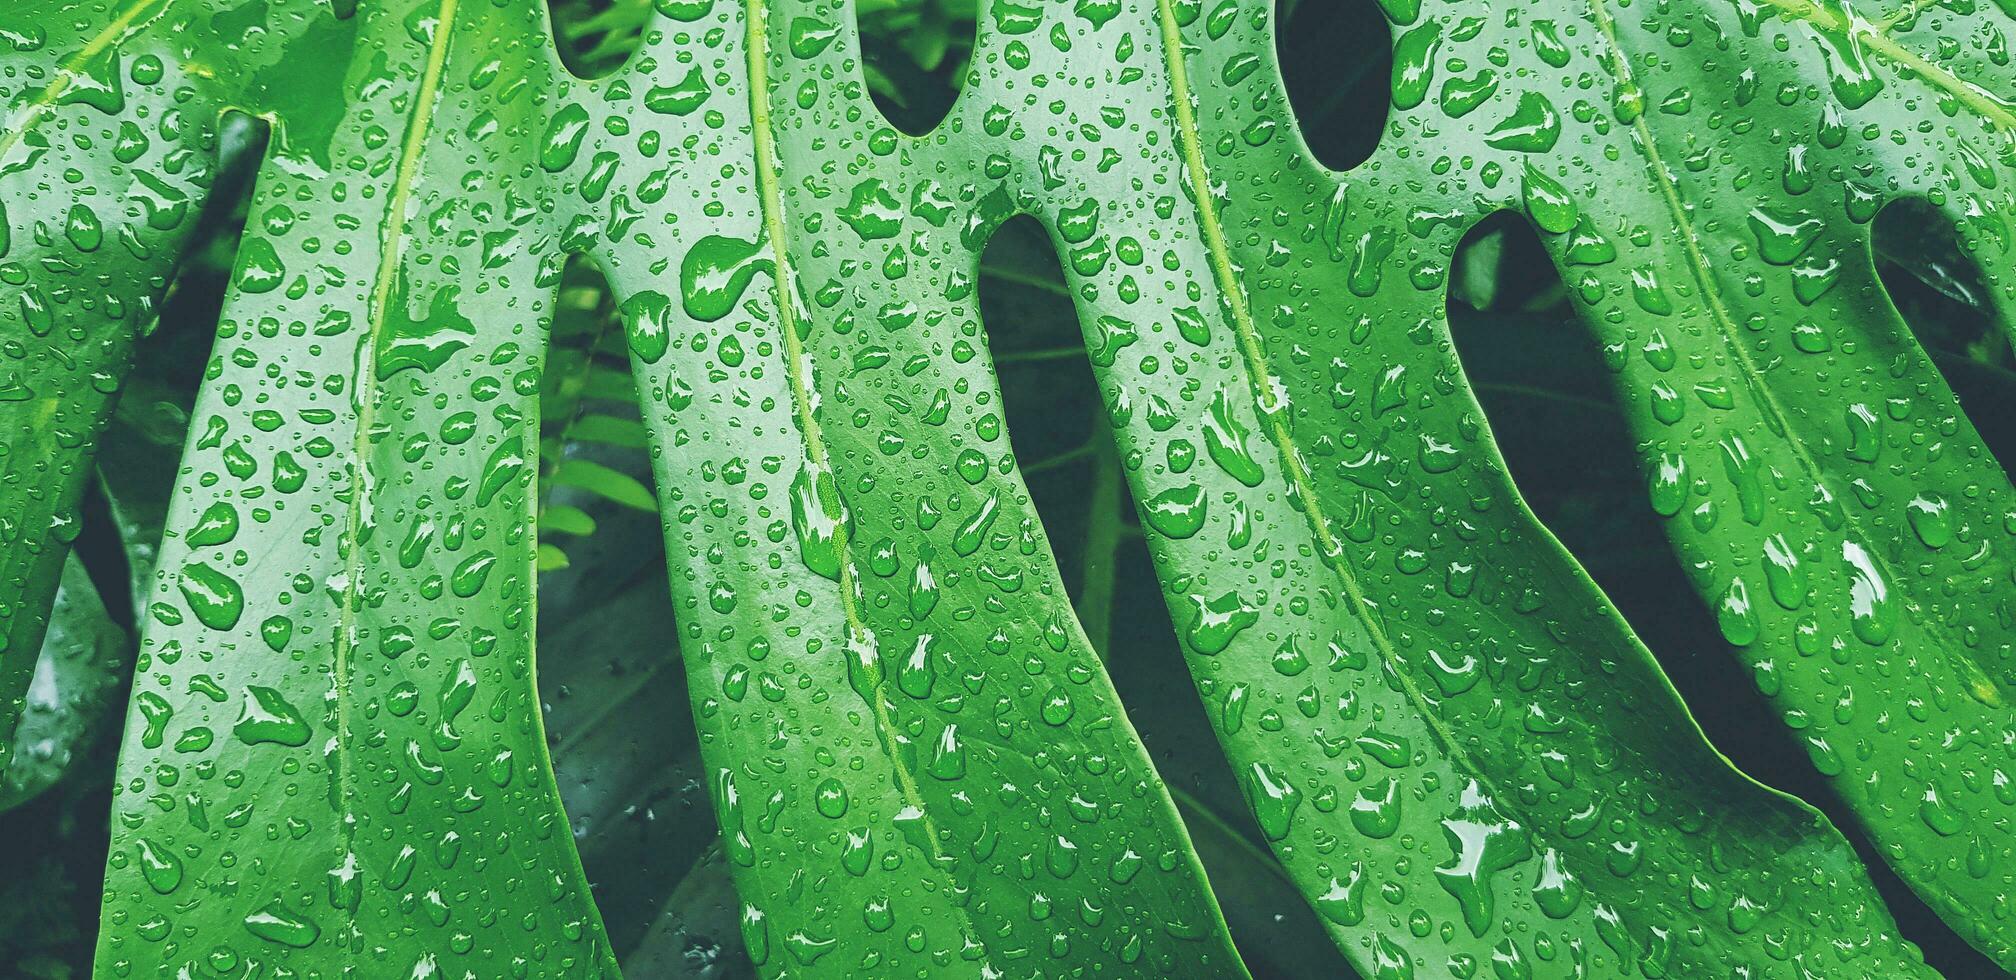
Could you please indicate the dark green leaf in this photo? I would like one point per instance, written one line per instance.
(586, 474)
(84, 658)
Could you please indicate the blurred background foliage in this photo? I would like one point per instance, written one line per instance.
(611, 682)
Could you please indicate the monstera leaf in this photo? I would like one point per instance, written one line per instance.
(1705, 178)
(335, 760)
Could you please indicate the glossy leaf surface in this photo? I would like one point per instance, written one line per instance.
(1705, 176)
(349, 615)
(75, 679)
(1457, 749)
(90, 236)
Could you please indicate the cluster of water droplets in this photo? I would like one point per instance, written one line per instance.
(918, 764)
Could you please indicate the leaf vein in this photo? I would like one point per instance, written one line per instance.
(1975, 681)
(37, 108)
(366, 398)
(796, 370)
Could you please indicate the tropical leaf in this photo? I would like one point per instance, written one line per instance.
(81, 278)
(1787, 417)
(222, 695)
(906, 595)
(389, 813)
(84, 657)
(1711, 261)
(623, 742)
(1455, 747)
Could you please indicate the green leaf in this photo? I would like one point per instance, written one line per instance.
(100, 263)
(608, 384)
(77, 692)
(609, 430)
(77, 688)
(1456, 749)
(622, 488)
(1708, 273)
(927, 42)
(987, 742)
(84, 657)
(398, 781)
(449, 639)
(562, 519)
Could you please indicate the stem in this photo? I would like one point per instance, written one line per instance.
(1201, 813)
(1044, 354)
(1052, 462)
(1013, 277)
(1102, 545)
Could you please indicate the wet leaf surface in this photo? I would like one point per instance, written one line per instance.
(1455, 748)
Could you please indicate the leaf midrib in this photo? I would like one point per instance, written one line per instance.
(37, 108)
(1975, 681)
(366, 397)
(757, 45)
(1881, 42)
(1262, 380)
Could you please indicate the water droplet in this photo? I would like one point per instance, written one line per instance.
(714, 274)
(1533, 127)
(1783, 237)
(680, 98)
(1784, 574)
(1273, 798)
(1930, 519)
(872, 211)
(1217, 621)
(1177, 512)
(214, 597)
(817, 519)
(1734, 615)
(1939, 814)
(1225, 438)
(1375, 811)
(1547, 202)
(277, 923)
(1485, 843)
(830, 797)
(1870, 611)
(564, 135)
(647, 319)
(1414, 64)
(269, 717)
(218, 525)
(162, 869)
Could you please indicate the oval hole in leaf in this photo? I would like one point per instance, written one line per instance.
(1959, 312)
(1336, 62)
(1539, 375)
(914, 56)
(596, 37)
(1064, 448)
(613, 688)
